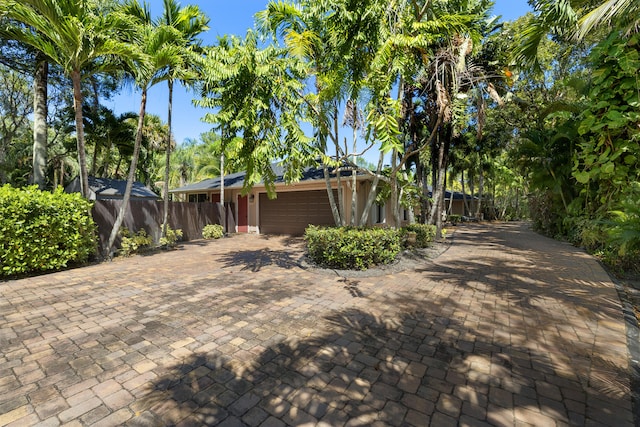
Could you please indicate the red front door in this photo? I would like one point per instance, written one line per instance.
(243, 214)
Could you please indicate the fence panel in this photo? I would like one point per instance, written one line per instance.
(148, 215)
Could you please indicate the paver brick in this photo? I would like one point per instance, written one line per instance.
(500, 329)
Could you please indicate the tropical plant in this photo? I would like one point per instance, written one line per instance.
(15, 109)
(155, 51)
(187, 24)
(77, 37)
(171, 239)
(257, 94)
(212, 231)
(43, 231)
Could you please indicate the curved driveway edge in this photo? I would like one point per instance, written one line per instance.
(505, 328)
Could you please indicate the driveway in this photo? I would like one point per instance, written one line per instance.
(504, 328)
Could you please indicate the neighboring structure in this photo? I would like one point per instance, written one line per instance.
(112, 189)
(296, 204)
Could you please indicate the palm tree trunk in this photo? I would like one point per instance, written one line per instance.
(95, 107)
(480, 191)
(82, 157)
(165, 190)
(132, 173)
(40, 123)
(465, 202)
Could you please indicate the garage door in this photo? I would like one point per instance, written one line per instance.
(293, 211)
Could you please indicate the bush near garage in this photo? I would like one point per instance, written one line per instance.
(41, 231)
(351, 248)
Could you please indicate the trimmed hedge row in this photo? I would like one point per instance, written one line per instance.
(351, 248)
(42, 231)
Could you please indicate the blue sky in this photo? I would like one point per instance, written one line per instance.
(227, 17)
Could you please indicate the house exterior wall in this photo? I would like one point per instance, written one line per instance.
(378, 215)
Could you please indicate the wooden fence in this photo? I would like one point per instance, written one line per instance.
(148, 215)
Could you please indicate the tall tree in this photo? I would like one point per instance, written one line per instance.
(15, 108)
(188, 22)
(40, 128)
(155, 50)
(77, 37)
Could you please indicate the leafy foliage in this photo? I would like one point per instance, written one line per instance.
(171, 238)
(42, 231)
(425, 233)
(257, 94)
(212, 231)
(349, 248)
(133, 243)
(608, 161)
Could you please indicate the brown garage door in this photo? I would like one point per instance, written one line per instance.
(292, 211)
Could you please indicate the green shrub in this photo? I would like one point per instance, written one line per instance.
(424, 234)
(348, 248)
(172, 237)
(212, 231)
(42, 231)
(133, 243)
(455, 219)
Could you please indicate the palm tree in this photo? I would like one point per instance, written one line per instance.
(188, 23)
(575, 19)
(623, 13)
(71, 34)
(155, 51)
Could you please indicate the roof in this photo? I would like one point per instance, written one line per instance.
(236, 180)
(107, 188)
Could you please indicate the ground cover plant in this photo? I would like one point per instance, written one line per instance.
(212, 231)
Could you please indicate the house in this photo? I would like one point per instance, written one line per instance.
(112, 189)
(296, 204)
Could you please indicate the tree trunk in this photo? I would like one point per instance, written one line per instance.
(165, 190)
(95, 107)
(480, 190)
(130, 179)
(107, 158)
(332, 201)
(40, 136)
(435, 216)
(82, 157)
(354, 181)
(465, 202)
(372, 192)
(394, 190)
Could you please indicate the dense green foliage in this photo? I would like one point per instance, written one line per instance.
(536, 118)
(425, 234)
(171, 239)
(132, 243)
(42, 231)
(212, 231)
(351, 248)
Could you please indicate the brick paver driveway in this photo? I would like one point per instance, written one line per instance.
(504, 328)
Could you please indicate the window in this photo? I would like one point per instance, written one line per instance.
(198, 198)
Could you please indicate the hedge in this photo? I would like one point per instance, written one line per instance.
(424, 234)
(42, 231)
(349, 248)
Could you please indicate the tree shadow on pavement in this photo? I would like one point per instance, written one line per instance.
(255, 260)
(420, 366)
